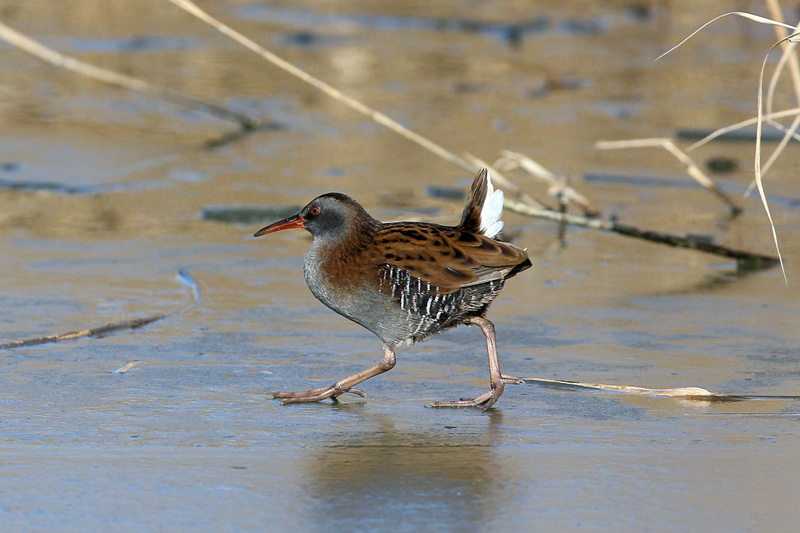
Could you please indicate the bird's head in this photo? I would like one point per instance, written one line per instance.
(330, 217)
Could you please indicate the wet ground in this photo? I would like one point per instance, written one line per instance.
(105, 195)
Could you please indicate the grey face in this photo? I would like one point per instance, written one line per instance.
(327, 216)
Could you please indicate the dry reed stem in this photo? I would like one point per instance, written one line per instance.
(691, 167)
(183, 276)
(468, 162)
(60, 60)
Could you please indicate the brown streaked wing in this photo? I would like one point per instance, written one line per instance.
(444, 256)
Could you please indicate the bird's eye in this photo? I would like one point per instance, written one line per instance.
(315, 211)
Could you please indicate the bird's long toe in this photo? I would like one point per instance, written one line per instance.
(485, 400)
(315, 395)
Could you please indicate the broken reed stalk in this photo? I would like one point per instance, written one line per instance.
(60, 60)
(183, 276)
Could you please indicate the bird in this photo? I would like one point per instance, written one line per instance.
(407, 281)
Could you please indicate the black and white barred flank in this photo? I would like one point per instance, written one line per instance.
(429, 310)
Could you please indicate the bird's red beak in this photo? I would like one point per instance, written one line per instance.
(294, 221)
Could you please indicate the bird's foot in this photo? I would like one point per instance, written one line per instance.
(315, 395)
(485, 400)
(511, 380)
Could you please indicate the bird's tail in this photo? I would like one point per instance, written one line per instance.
(484, 207)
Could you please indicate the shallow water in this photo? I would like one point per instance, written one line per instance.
(106, 195)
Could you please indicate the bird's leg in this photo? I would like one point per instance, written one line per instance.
(341, 386)
(496, 379)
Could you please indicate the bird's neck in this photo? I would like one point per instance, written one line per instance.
(337, 253)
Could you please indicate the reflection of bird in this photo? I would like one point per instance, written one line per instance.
(380, 469)
(406, 281)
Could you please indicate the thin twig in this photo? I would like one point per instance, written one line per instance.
(184, 277)
(60, 60)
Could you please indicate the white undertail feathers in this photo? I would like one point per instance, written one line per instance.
(492, 210)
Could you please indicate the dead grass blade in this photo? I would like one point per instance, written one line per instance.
(678, 392)
(60, 60)
(183, 276)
